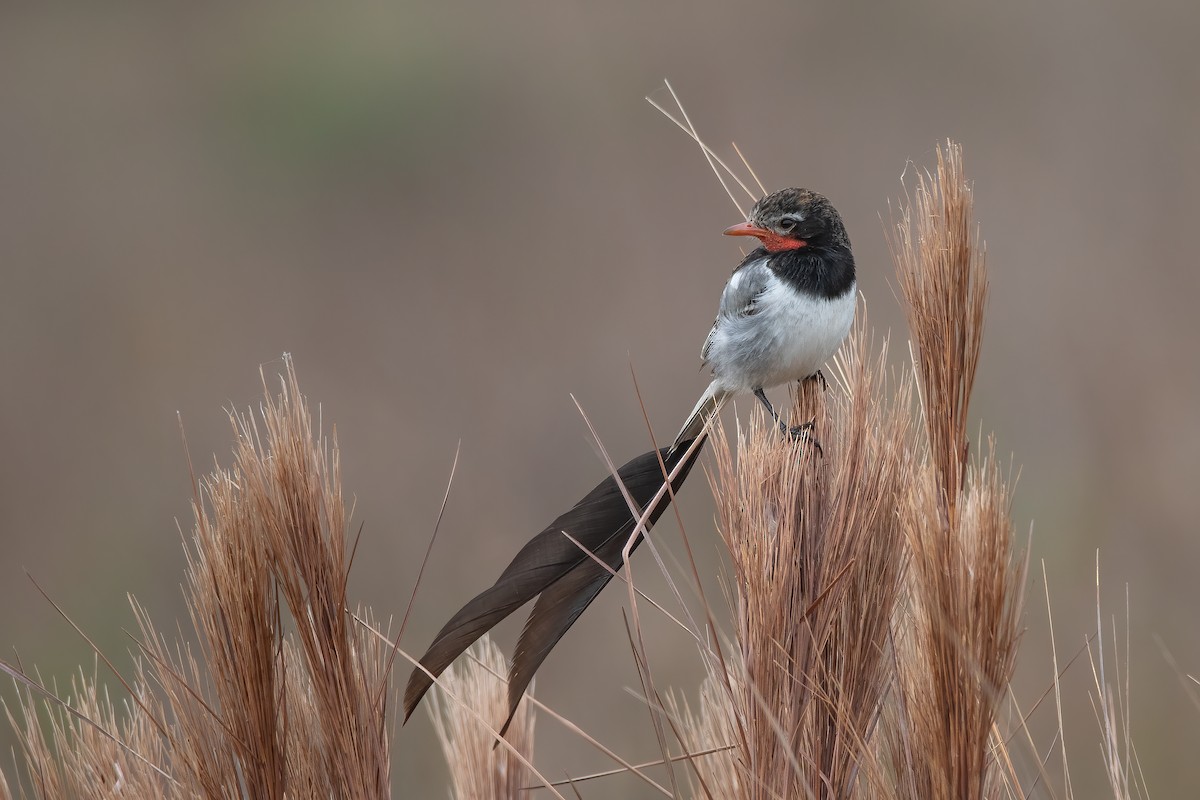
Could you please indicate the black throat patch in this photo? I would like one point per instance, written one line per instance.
(819, 271)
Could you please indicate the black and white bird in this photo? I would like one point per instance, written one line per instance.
(787, 306)
(783, 314)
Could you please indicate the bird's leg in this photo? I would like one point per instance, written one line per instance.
(803, 431)
(762, 396)
(819, 378)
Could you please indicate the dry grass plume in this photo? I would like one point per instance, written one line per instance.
(957, 636)
(479, 770)
(250, 709)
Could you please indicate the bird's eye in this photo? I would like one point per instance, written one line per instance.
(787, 224)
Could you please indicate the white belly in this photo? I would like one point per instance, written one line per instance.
(788, 338)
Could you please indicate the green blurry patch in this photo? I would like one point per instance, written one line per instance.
(313, 98)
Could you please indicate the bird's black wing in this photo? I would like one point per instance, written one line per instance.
(599, 519)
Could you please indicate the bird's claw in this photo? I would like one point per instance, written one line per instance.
(802, 433)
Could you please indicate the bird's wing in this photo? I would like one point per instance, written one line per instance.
(740, 297)
(601, 517)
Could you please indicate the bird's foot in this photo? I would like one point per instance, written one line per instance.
(802, 433)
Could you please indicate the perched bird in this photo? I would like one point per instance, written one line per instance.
(783, 313)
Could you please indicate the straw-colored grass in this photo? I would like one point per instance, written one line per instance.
(249, 710)
(479, 770)
(957, 638)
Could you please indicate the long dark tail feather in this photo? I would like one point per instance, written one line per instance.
(599, 522)
(561, 603)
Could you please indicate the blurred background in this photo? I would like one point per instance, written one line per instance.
(453, 217)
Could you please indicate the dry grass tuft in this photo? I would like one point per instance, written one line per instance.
(259, 712)
(957, 641)
(466, 693)
(942, 266)
(116, 753)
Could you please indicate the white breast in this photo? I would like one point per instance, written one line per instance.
(789, 337)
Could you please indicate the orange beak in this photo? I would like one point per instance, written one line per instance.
(746, 229)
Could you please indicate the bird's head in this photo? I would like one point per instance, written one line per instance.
(794, 218)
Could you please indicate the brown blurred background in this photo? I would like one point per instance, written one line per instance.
(454, 217)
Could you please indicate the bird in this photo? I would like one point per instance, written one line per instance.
(783, 313)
